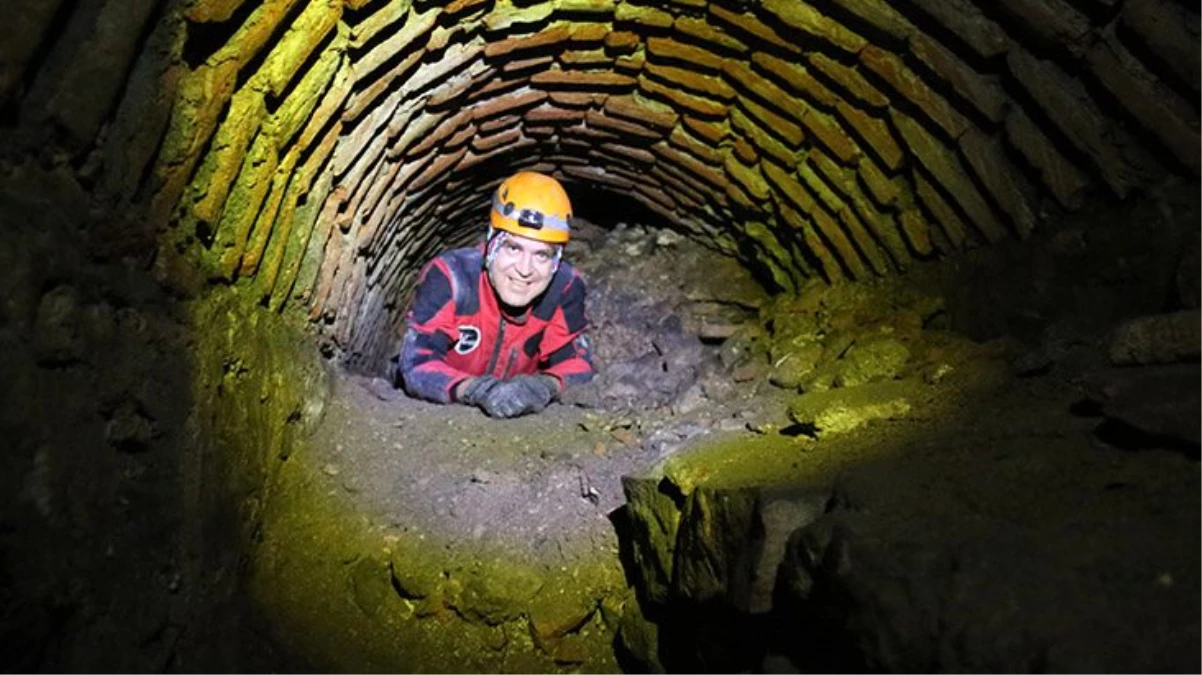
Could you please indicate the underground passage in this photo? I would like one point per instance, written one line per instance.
(893, 307)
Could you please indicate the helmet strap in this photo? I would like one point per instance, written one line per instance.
(495, 238)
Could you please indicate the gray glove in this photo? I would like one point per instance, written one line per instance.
(519, 395)
(476, 389)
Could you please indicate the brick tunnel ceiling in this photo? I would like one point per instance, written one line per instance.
(321, 150)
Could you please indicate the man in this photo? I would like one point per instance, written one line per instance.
(502, 326)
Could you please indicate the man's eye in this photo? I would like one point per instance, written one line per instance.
(543, 256)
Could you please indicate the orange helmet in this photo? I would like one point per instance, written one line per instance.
(532, 205)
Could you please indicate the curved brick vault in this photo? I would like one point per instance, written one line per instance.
(317, 151)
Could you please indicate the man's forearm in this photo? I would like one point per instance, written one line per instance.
(459, 388)
(575, 370)
(554, 381)
(424, 369)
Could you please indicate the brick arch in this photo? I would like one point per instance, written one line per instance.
(326, 148)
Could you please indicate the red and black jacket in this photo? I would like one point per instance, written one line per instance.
(457, 330)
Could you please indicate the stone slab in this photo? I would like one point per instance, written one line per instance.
(1163, 338)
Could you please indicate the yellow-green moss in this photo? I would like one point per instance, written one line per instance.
(354, 595)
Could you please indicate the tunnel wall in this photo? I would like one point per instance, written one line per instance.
(144, 411)
(142, 435)
(316, 152)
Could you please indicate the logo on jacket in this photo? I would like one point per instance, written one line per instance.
(469, 339)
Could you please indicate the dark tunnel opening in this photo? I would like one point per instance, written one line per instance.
(608, 208)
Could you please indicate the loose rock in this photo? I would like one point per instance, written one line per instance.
(1165, 338)
(876, 360)
(56, 329)
(789, 371)
(840, 410)
(1159, 402)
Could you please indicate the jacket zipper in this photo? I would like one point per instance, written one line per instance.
(496, 352)
(513, 356)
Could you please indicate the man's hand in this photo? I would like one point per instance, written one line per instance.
(519, 395)
(473, 391)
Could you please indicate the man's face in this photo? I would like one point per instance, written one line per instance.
(521, 269)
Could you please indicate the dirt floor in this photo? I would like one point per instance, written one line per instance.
(435, 538)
